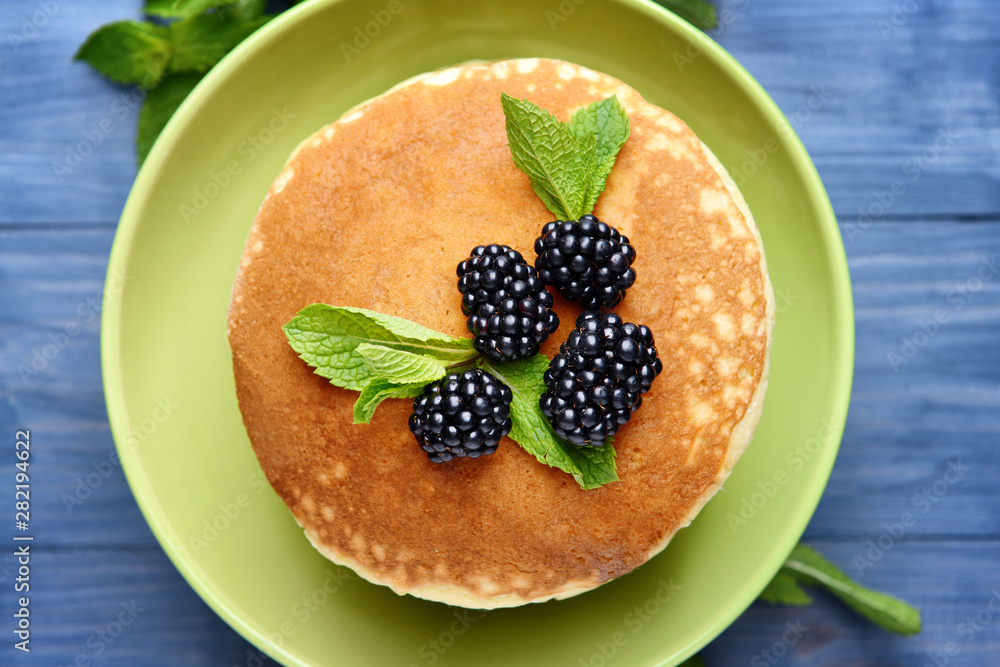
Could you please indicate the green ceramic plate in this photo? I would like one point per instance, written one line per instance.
(169, 385)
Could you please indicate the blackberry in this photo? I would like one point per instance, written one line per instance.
(509, 310)
(461, 415)
(596, 381)
(586, 260)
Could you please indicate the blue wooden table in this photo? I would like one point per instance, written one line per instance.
(897, 101)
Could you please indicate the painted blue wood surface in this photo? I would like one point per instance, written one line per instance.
(897, 76)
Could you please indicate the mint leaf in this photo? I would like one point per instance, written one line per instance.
(376, 391)
(128, 52)
(785, 589)
(401, 367)
(327, 338)
(200, 41)
(889, 613)
(532, 431)
(160, 104)
(607, 122)
(546, 150)
(181, 8)
(596, 464)
(698, 13)
(248, 9)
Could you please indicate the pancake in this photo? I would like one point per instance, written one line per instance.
(375, 211)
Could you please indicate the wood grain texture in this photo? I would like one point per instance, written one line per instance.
(924, 424)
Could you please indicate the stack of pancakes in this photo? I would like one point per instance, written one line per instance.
(375, 211)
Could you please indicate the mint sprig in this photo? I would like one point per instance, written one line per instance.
(546, 150)
(805, 566)
(200, 41)
(385, 357)
(147, 46)
(567, 164)
(166, 57)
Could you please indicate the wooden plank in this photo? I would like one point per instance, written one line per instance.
(921, 401)
(895, 83)
(120, 608)
(51, 286)
(886, 102)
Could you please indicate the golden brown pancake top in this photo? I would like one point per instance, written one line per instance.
(376, 211)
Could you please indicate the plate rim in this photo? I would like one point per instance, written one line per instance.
(841, 308)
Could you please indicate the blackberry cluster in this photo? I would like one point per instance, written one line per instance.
(596, 381)
(586, 260)
(461, 415)
(509, 310)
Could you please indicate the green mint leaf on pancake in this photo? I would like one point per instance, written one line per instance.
(597, 464)
(201, 41)
(808, 567)
(532, 431)
(785, 589)
(546, 150)
(160, 104)
(128, 52)
(698, 13)
(376, 391)
(327, 338)
(567, 163)
(401, 367)
(607, 123)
